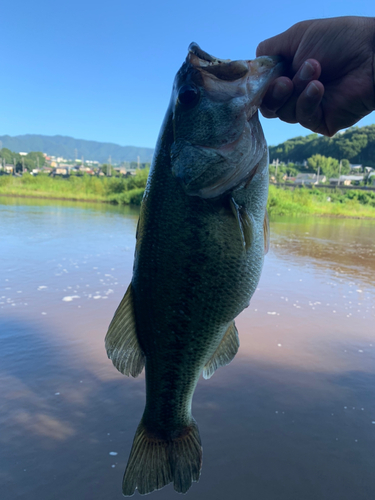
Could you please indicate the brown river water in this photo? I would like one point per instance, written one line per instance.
(291, 418)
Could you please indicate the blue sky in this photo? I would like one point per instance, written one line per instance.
(104, 70)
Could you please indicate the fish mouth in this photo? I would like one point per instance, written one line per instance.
(235, 77)
(223, 69)
(204, 56)
(225, 79)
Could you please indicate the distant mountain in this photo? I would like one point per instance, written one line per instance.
(59, 145)
(357, 144)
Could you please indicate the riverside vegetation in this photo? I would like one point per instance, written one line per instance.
(129, 190)
(354, 145)
(120, 190)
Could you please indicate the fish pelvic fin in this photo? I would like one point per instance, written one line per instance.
(225, 352)
(153, 462)
(121, 341)
(266, 233)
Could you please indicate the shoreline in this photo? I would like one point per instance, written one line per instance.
(109, 202)
(80, 200)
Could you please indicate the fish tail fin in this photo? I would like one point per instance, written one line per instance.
(154, 462)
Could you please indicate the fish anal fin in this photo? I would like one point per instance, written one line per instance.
(225, 352)
(266, 232)
(245, 222)
(153, 462)
(121, 341)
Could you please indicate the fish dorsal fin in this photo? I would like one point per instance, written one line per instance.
(266, 233)
(225, 352)
(245, 223)
(121, 341)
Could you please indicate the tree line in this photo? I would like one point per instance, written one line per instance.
(356, 145)
(28, 162)
(316, 164)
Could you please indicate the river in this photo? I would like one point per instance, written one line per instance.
(292, 417)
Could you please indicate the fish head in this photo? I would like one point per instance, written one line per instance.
(218, 139)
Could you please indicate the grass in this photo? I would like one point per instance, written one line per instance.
(334, 203)
(129, 190)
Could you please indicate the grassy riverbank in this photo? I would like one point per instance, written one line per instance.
(126, 191)
(323, 202)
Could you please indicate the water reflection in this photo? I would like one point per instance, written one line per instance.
(291, 417)
(343, 245)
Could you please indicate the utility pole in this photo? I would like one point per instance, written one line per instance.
(109, 168)
(339, 172)
(23, 165)
(138, 162)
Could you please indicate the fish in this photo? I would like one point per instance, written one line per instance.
(201, 238)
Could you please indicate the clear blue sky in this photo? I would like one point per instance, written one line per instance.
(104, 70)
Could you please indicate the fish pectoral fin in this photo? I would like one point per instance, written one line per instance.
(121, 341)
(266, 233)
(245, 222)
(225, 352)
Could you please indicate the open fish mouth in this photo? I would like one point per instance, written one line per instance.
(223, 69)
(256, 73)
(204, 56)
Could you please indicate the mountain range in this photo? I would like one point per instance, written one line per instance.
(70, 148)
(355, 144)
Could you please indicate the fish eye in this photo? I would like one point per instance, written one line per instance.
(188, 95)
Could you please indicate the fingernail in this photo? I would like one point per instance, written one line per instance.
(312, 90)
(307, 71)
(280, 90)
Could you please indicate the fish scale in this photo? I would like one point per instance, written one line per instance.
(201, 240)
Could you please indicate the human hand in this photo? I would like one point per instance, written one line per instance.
(331, 83)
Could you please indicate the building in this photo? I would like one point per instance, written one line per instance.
(64, 171)
(335, 181)
(309, 179)
(353, 179)
(8, 168)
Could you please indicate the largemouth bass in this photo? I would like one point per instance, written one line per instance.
(201, 237)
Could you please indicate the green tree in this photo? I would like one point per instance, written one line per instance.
(139, 179)
(355, 144)
(105, 168)
(326, 166)
(8, 155)
(35, 159)
(345, 166)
